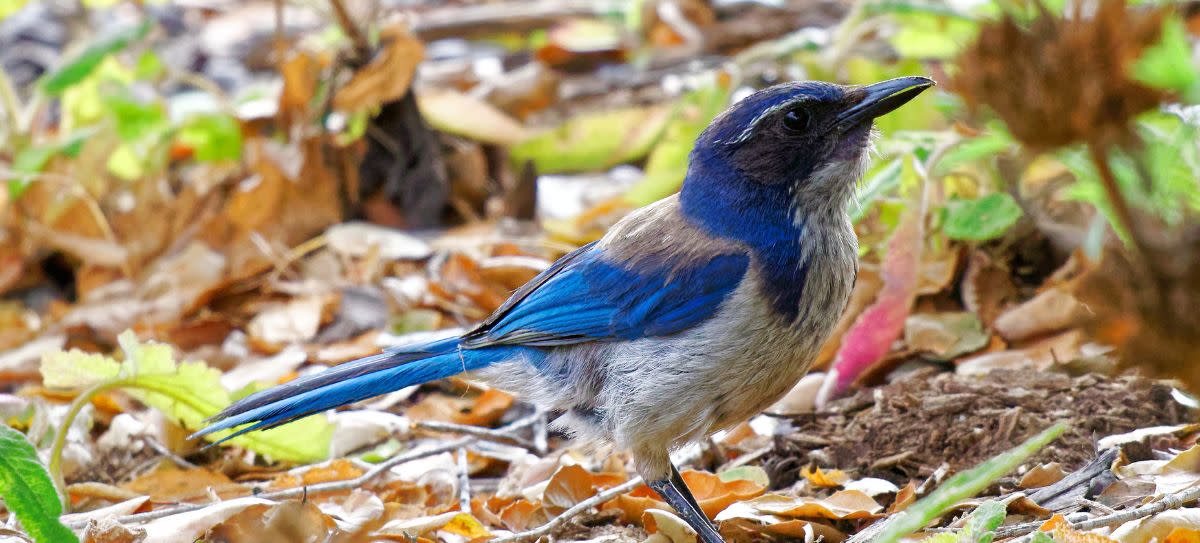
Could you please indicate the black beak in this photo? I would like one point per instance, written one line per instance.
(882, 98)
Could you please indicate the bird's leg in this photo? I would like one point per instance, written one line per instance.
(676, 492)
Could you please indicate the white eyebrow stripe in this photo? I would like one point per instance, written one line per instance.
(749, 130)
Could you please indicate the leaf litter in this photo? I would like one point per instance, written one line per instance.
(380, 190)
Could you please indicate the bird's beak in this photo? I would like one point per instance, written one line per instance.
(881, 98)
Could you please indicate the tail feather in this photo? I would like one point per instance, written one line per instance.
(348, 383)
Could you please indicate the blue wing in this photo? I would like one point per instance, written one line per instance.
(585, 297)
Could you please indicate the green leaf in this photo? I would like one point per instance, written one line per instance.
(212, 137)
(991, 143)
(595, 141)
(135, 119)
(33, 159)
(27, 490)
(984, 521)
(149, 66)
(981, 219)
(963, 486)
(667, 165)
(188, 393)
(753, 474)
(125, 162)
(1041, 537)
(67, 75)
(1168, 64)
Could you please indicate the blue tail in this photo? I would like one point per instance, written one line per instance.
(351, 382)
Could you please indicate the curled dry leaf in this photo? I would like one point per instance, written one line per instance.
(667, 524)
(387, 77)
(295, 321)
(986, 287)
(188, 527)
(463, 115)
(1050, 311)
(1042, 475)
(713, 494)
(841, 505)
(1062, 532)
(486, 410)
(818, 477)
(360, 239)
(1039, 356)
(944, 336)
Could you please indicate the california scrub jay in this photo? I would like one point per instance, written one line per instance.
(690, 315)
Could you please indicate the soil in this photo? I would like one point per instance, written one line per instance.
(906, 430)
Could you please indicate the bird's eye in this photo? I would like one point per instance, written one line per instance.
(796, 120)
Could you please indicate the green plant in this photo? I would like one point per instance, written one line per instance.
(28, 491)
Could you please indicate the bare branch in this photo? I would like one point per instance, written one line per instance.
(557, 522)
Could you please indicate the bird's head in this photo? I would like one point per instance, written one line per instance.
(799, 146)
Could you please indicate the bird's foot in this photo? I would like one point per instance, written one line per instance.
(677, 494)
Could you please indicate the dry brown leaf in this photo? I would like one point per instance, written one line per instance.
(1183, 535)
(904, 498)
(523, 514)
(713, 494)
(1050, 311)
(387, 77)
(1040, 356)
(818, 477)
(1042, 475)
(986, 287)
(1062, 532)
(334, 470)
(944, 335)
(842, 505)
(567, 487)
(188, 527)
(456, 113)
(666, 523)
(169, 483)
(486, 410)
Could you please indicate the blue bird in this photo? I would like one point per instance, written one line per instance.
(689, 316)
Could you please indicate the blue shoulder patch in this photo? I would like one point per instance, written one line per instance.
(591, 299)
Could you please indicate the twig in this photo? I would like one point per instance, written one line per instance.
(1172, 501)
(1113, 192)
(557, 522)
(477, 431)
(464, 482)
(362, 47)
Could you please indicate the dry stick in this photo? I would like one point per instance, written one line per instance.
(362, 47)
(557, 522)
(489, 434)
(1171, 501)
(1113, 192)
(464, 482)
